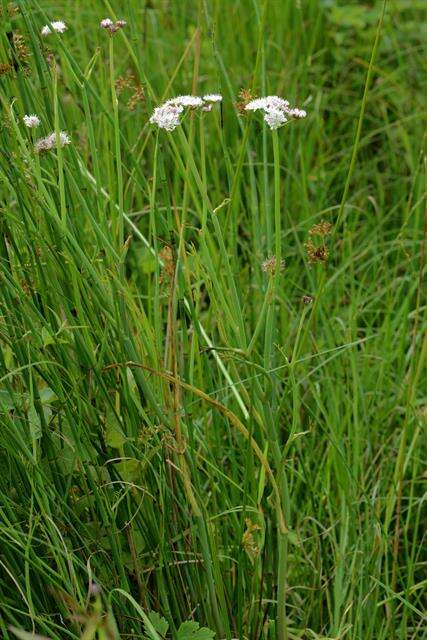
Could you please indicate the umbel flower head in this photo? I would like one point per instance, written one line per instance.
(276, 110)
(57, 26)
(185, 101)
(112, 27)
(167, 116)
(210, 99)
(49, 142)
(32, 121)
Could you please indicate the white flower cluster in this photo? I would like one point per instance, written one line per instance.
(167, 116)
(57, 26)
(276, 110)
(212, 97)
(49, 142)
(31, 121)
(111, 26)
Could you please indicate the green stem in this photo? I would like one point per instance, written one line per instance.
(277, 208)
(119, 225)
(59, 150)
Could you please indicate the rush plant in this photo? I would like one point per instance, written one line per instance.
(212, 320)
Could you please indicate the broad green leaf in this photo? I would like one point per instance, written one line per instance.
(114, 437)
(192, 631)
(7, 401)
(47, 395)
(160, 624)
(47, 339)
(34, 422)
(129, 470)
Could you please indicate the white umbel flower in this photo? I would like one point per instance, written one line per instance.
(111, 26)
(267, 103)
(274, 118)
(167, 116)
(49, 142)
(258, 103)
(185, 101)
(212, 97)
(57, 26)
(276, 110)
(32, 121)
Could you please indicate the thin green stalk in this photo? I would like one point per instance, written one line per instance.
(61, 181)
(119, 226)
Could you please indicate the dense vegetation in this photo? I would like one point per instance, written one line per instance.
(195, 438)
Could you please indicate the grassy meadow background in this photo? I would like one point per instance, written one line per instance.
(190, 446)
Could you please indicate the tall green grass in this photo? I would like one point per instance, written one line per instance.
(183, 434)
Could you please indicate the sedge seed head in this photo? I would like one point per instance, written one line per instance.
(270, 265)
(322, 229)
(316, 253)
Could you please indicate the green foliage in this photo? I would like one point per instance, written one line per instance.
(188, 630)
(184, 429)
(192, 631)
(160, 624)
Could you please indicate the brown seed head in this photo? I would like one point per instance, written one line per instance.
(248, 539)
(270, 265)
(316, 254)
(5, 68)
(168, 268)
(322, 229)
(137, 97)
(245, 96)
(21, 50)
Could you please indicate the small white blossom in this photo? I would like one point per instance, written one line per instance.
(212, 97)
(298, 113)
(111, 26)
(274, 102)
(64, 138)
(32, 121)
(275, 110)
(49, 142)
(274, 118)
(57, 26)
(167, 116)
(258, 103)
(185, 101)
(266, 103)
